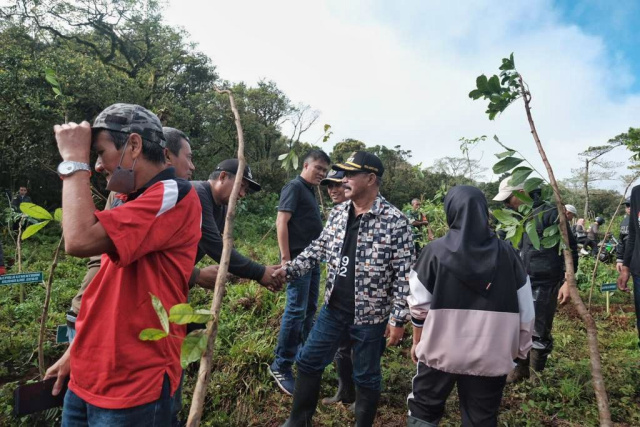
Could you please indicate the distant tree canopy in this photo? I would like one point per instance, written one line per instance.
(68, 60)
(108, 51)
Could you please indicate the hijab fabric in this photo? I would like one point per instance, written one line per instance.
(469, 250)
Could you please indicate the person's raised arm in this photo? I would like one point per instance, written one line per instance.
(83, 235)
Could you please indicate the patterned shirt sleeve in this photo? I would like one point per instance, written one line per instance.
(401, 261)
(313, 254)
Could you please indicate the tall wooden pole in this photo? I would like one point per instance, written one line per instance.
(590, 324)
(204, 374)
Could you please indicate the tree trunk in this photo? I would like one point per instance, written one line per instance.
(590, 324)
(586, 189)
(200, 391)
(45, 310)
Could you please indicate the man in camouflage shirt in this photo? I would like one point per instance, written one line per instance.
(369, 251)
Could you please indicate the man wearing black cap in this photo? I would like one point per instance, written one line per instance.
(369, 251)
(214, 197)
(333, 182)
(149, 243)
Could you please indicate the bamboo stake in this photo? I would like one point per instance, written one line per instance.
(200, 391)
(590, 324)
(45, 309)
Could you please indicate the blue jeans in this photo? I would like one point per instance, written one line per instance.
(636, 300)
(297, 320)
(329, 332)
(76, 412)
(177, 404)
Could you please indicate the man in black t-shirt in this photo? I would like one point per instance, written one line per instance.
(298, 223)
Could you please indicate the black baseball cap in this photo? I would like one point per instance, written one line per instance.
(131, 118)
(231, 166)
(333, 177)
(361, 161)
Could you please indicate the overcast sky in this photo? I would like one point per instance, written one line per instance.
(399, 72)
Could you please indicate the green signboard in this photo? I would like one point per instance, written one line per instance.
(14, 279)
(608, 287)
(61, 334)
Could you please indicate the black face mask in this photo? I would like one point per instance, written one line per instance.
(122, 180)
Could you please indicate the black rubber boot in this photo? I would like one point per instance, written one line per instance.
(305, 400)
(520, 372)
(538, 360)
(366, 406)
(346, 389)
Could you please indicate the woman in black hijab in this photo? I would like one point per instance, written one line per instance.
(472, 297)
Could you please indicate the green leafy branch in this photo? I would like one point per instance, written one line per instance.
(52, 79)
(327, 132)
(289, 161)
(194, 344)
(37, 212)
(513, 223)
(500, 91)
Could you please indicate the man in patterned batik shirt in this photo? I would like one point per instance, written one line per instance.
(369, 251)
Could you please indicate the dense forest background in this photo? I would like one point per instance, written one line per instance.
(69, 60)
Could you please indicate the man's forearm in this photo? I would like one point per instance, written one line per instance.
(417, 334)
(83, 235)
(283, 241)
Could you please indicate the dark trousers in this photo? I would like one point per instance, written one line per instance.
(330, 330)
(545, 303)
(344, 351)
(479, 396)
(297, 320)
(636, 300)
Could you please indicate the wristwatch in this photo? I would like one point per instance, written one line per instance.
(68, 168)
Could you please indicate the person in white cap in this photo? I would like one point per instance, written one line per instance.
(571, 212)
(545, 267)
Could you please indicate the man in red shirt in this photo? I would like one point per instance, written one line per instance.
(150, 245)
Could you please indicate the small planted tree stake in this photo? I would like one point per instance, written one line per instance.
(501, 92)
(34, 211)
(204, 374)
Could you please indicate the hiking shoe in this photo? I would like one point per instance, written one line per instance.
(285, 380)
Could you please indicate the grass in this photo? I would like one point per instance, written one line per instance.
(241, 392)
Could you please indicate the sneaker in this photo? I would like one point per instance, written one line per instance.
(583, 252)
(285, 380)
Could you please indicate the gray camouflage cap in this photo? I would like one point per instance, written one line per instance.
(131, 118)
